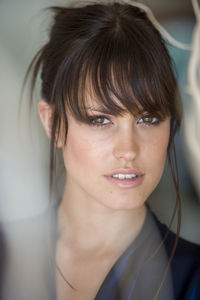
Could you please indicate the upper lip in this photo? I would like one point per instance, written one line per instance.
(126, 171)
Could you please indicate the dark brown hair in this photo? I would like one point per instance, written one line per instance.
(116, 51)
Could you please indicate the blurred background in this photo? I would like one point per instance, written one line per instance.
(23, 144)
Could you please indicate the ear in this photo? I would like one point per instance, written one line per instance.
(45, 112)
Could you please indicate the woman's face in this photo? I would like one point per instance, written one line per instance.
(115, 161)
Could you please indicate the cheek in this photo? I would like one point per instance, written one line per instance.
(158, 149)
(84, 152)
(156, 154)
(75, 153)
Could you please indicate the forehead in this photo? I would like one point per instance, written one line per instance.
(94, 102)
(114, 93)
(113, 106)
(108, 98)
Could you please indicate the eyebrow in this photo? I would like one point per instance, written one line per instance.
(99, 109)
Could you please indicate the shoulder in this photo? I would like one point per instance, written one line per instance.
(185, 266)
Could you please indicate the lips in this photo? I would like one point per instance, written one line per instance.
(126, 172)
(126, 178)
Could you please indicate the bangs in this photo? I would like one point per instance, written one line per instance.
(120, 69)
(116, 76)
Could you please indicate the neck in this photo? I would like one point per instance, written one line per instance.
(87, 225)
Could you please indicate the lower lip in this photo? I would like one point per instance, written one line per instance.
(126, 183)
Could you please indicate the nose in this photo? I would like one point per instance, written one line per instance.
(126, 146)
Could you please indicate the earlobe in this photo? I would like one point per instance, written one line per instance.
(45, 112)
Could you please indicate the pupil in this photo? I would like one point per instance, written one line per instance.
(148, 119)
(99, 120)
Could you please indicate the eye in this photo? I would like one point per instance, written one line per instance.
(149, 120)
(99, 121)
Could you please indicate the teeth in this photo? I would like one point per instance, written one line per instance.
(125, 176)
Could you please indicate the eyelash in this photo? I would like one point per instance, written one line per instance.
(156, 120)
(92, 119)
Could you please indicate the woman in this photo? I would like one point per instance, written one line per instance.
(110, 102)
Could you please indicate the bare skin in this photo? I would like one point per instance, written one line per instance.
(87, 250)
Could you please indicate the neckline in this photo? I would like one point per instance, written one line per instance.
(118, 265)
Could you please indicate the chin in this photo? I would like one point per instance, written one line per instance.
(124, 203)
